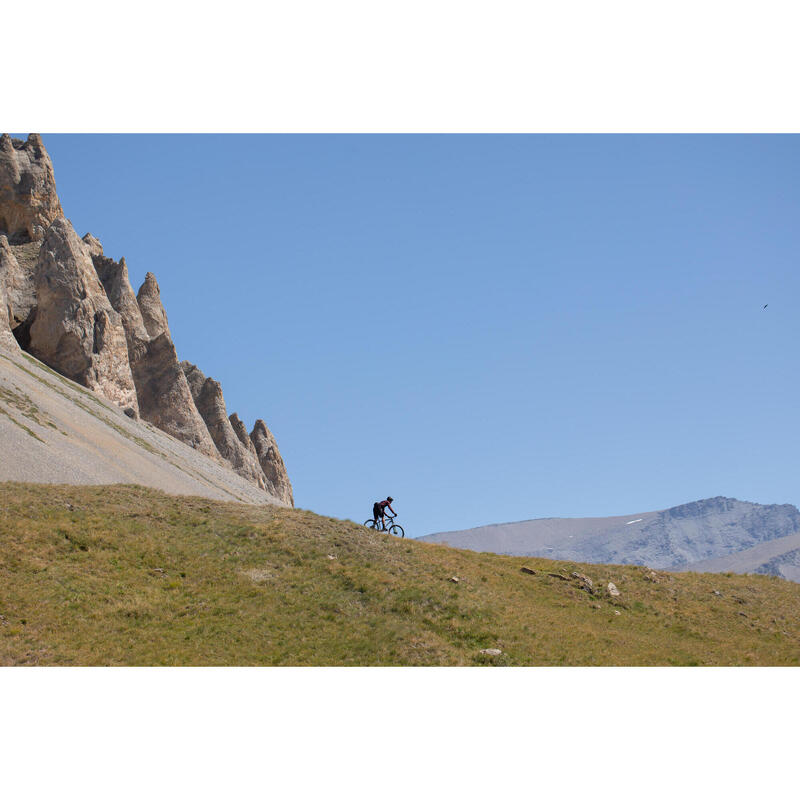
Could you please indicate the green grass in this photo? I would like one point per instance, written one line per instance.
(127, 575)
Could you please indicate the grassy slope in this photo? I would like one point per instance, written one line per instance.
(127, 575)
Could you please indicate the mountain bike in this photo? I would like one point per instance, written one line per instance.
(394, 530)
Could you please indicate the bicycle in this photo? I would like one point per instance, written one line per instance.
(394, 530)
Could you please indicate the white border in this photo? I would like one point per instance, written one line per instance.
(397, 733)
(411, 66)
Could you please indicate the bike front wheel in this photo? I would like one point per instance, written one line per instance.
(397, 530)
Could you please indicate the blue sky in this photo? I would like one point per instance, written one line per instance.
(489, 328)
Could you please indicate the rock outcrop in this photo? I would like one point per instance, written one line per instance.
(161, 387)
(19, 294)
(207, 394)
(165, 399)
(65, 302)
(76, 331)
(114, 277)
(272, 465)
(241, 433)
(93, 245)
(7, 340)
(153, 313)
(28, 199)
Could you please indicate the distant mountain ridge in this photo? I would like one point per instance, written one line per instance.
(718, 534)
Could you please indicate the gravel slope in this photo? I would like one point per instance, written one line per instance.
(54, 431)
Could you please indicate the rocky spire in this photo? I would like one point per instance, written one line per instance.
(76, 331)
(28, 199)
(153, 313)
(271, 462)
(93, 245)
(114, 277)
(161, 388)
(241, 433)
(207, 394)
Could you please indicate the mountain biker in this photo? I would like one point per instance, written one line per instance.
(379, 510)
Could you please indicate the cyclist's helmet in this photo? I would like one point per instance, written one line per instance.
(390, 499)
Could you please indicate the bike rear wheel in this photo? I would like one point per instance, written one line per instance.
(397, 530)
(370, 523)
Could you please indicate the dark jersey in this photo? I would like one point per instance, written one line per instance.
(380, 507)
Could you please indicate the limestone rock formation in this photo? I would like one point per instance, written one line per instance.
(16, 285)
(28, 199)
(76, 331)
(114, 277)
(241, 433)
(161, 388)
(165, 399)
(7, 340)
(207, 394)
(65, 302)
(269, 458)
(194, 377)
(153, 313)
(93, 244)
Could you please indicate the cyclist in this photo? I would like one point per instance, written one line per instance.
(379, 510)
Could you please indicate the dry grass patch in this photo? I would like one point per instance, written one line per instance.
(127, 575)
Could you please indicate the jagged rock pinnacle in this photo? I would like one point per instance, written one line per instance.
(28, 198)
(271, 462)
(207, 394)
(76, 331)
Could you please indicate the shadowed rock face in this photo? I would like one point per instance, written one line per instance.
(114, 277)
(7, 340)
(194, 377)
(269, 458)
(241, 433)
(17, 282)
(76, 331)
(207, 394)
(165, 399)
(163, 393)
(28, 199)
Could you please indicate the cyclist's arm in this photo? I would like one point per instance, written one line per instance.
(391, 509)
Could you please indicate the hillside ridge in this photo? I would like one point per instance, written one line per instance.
(129, 575)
